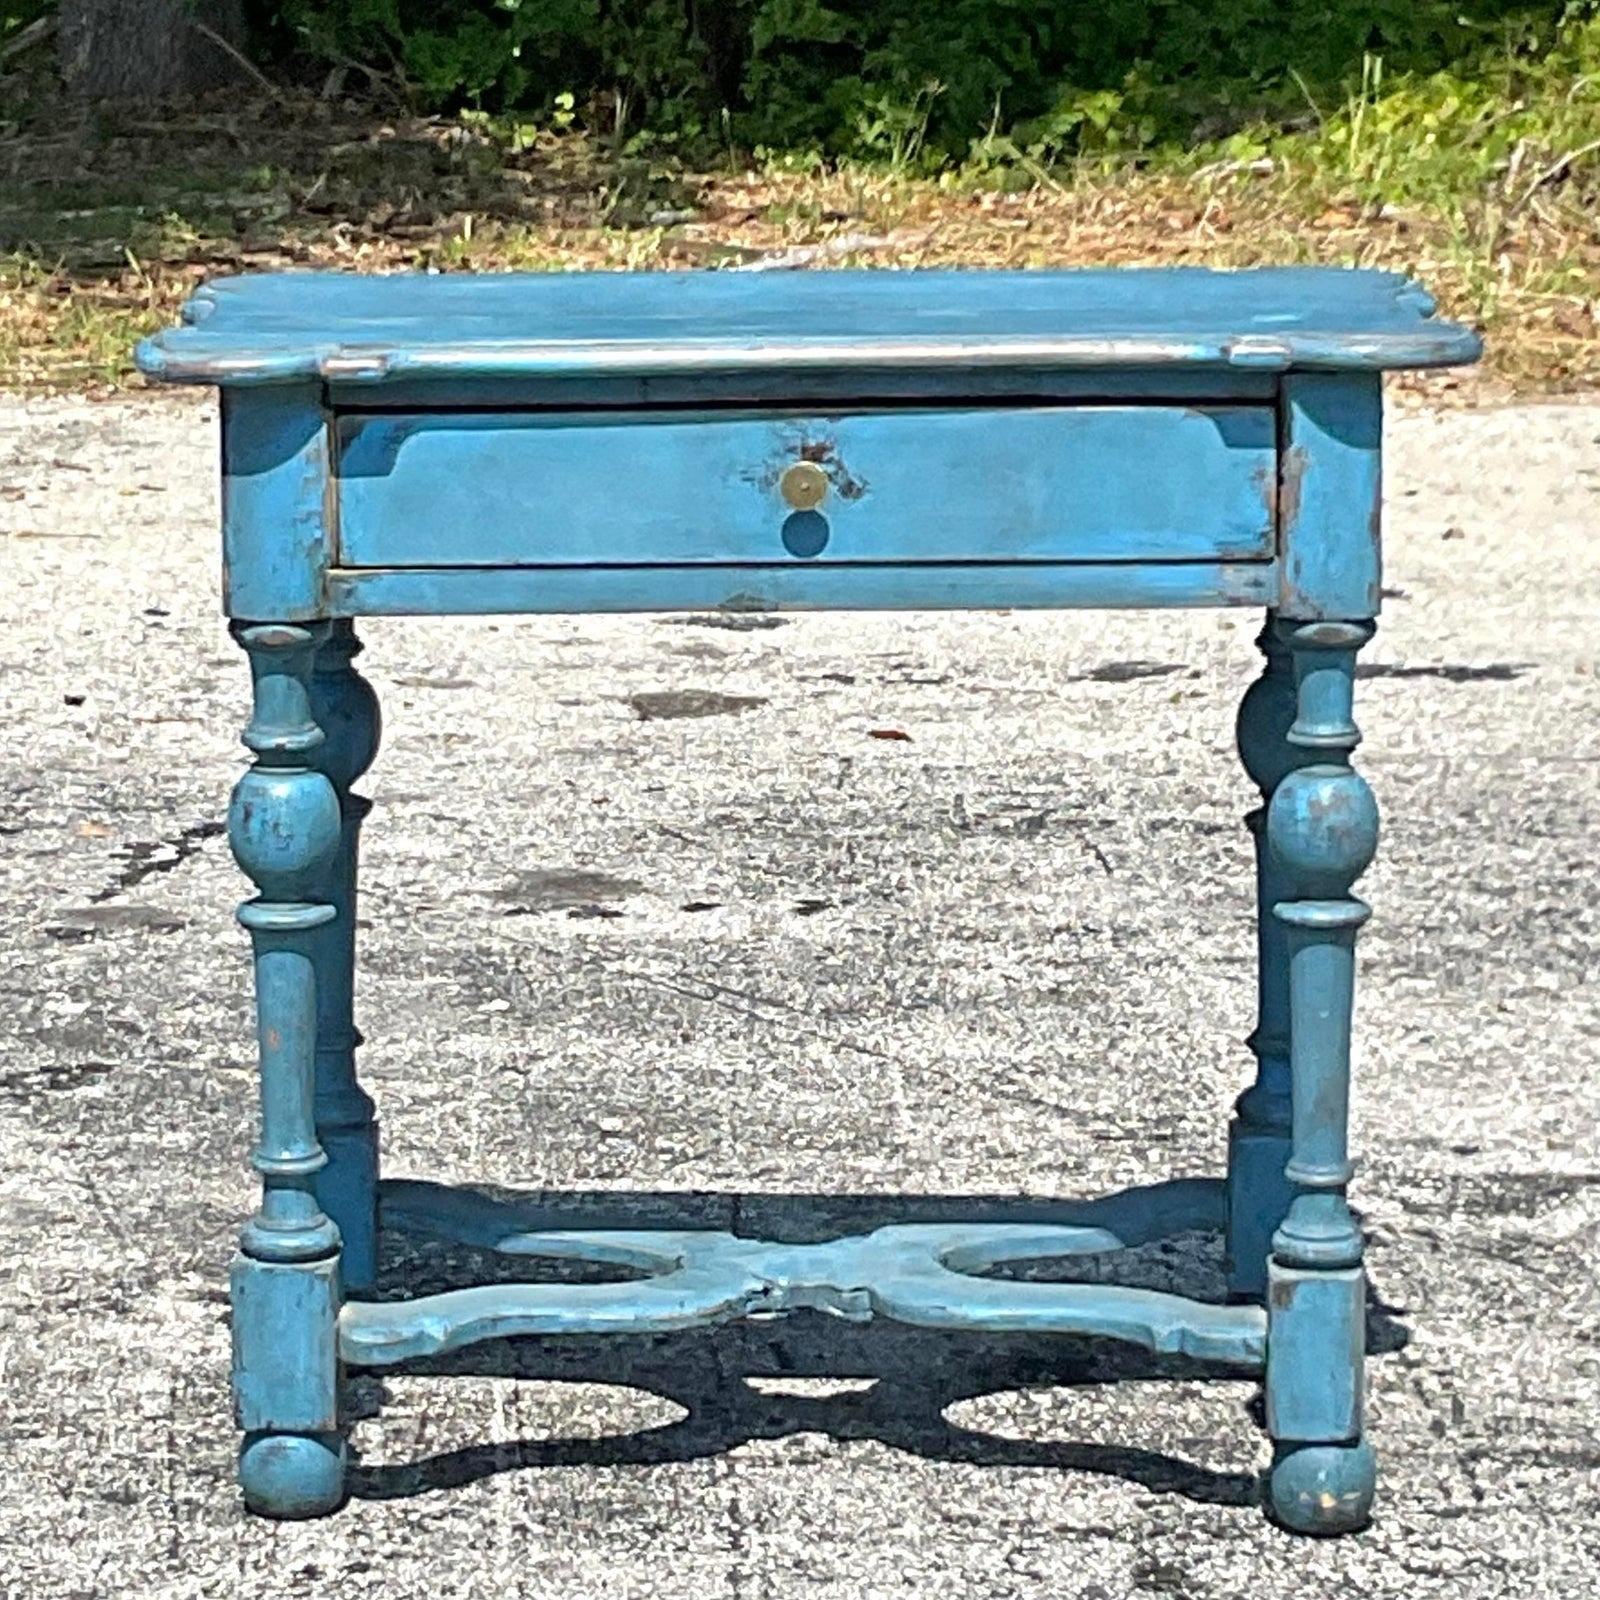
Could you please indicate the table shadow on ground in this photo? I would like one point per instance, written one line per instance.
(908, 1378)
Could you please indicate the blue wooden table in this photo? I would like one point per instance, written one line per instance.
(454, 445)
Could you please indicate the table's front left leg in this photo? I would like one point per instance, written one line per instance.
(284, 827)
(346, 710)
(1322, 830)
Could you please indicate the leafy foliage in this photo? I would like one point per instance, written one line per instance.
(15, 15)
(901, 79)
(1460, 142)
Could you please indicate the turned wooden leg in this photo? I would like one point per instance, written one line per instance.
(1322, 831)
(284, 827)
(346, 710)
(1258, 1138)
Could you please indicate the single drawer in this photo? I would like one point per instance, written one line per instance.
(671, 487)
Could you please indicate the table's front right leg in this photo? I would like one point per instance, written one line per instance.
(284, 826)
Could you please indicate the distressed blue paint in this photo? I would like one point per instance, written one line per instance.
(617, 443)
(1259, 1192)
(1322, 1489)
(1330, 495)
(816, 388)
(346, 712)
(1129, 1217)
(277, 328)
(974, 586)
(284, 1363)
(1314, 1389)
(284, 827)
(277, 532)
(288, 1475)
(923, 1274)
(1322, 831)
(1325, 669)
(641, 488)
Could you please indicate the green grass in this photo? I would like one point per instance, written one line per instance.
(63, 335)
(1485, 185)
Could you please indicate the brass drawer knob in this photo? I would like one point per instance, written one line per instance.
(803, 485)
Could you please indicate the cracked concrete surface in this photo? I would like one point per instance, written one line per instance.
(653, 910)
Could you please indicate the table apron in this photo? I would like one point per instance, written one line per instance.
(901, 586)
(967, 507)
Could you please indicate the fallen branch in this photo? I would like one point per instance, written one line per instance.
(807, 255)
(36, 32)
(1260, 167)
(1557, 169)
(236, 56)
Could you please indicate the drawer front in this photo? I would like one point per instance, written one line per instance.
(641, 488)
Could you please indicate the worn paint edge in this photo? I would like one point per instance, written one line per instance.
(908, 586)
(164, 358)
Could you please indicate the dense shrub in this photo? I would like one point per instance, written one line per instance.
(905, 80)
(897, 78)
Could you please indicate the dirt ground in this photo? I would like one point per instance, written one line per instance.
(759, 955)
